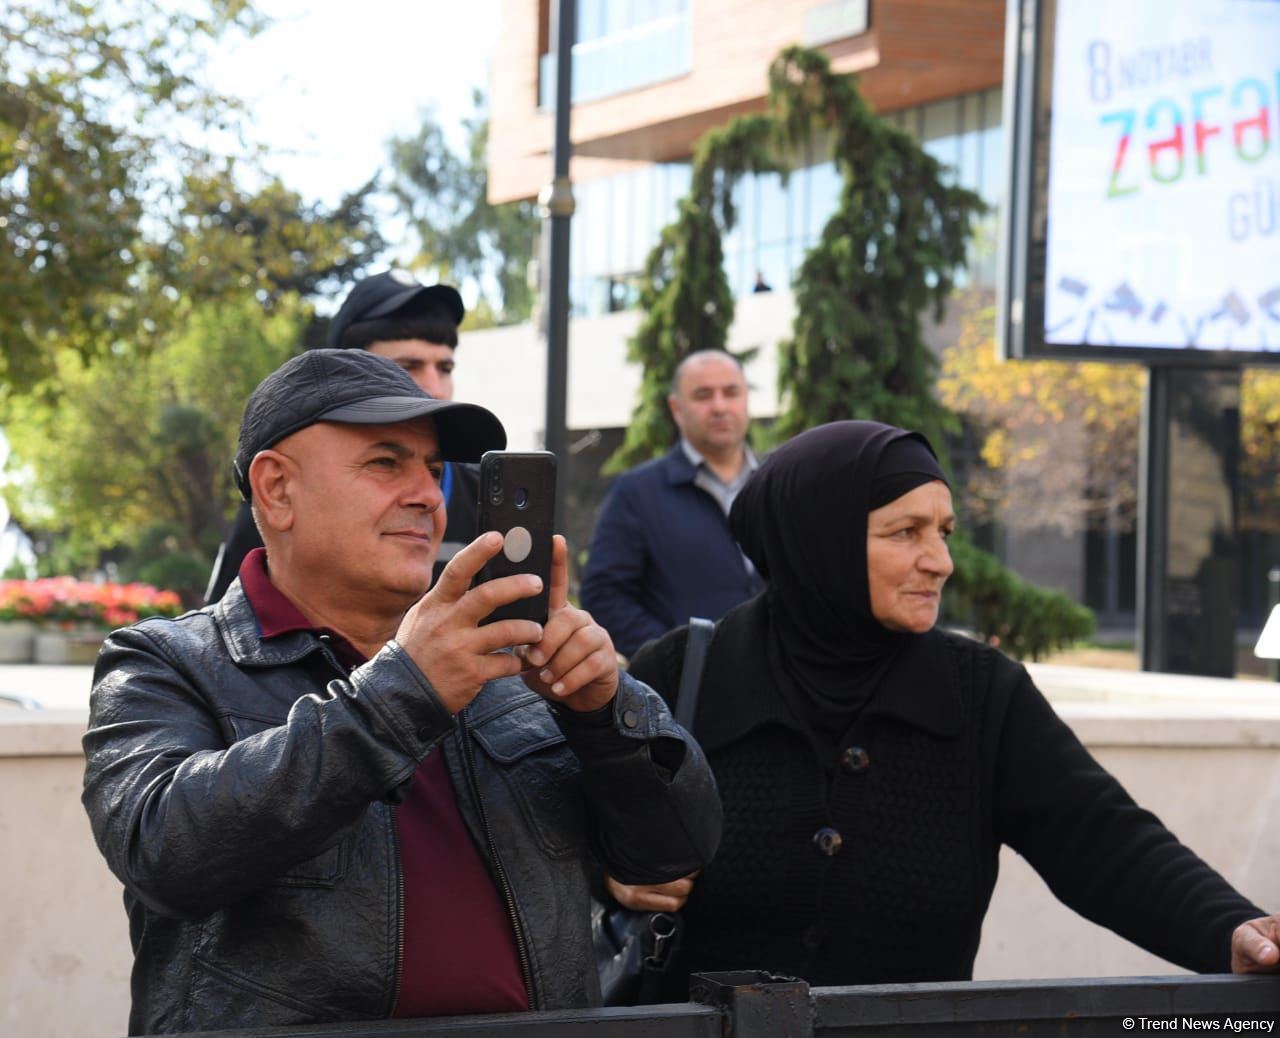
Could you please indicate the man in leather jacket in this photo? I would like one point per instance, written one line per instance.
(332, 797)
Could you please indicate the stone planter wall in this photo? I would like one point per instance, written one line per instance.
(68, 647)
(17, 641)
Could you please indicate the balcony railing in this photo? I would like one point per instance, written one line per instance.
(646, 54)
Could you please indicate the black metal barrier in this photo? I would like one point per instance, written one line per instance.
(760, 1005)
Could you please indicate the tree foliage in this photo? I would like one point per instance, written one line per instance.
(143, 290)
(133, 455)
(1059, 440)
(444, 196)
(228, 241)
(94, 103)
(887, 256)
(1260, 459)
(1024, 620)
(685, 296)
(889, 252)
(125, 457)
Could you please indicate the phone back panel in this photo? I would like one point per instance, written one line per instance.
(518, 499)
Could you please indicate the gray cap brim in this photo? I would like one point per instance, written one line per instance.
(465, 431)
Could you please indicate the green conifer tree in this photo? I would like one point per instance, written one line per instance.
(888, 254)
(686, 298)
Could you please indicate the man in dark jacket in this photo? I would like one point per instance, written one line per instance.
(332, 797)
(395, 316)
(662, 551)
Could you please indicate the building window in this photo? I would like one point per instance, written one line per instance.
(623, 45)
(618, 219)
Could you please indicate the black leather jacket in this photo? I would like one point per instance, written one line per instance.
(242, 790)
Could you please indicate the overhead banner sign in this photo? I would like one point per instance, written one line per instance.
(1146, 179)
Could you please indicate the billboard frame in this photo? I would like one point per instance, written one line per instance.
(1023, 251)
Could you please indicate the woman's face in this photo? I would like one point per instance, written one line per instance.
(907, 557)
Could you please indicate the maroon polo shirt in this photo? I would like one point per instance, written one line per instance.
(459, 950)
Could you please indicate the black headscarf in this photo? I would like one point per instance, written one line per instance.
(802, 519)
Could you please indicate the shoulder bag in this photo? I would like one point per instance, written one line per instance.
(634, 949)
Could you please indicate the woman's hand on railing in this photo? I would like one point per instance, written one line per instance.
(1255, 946)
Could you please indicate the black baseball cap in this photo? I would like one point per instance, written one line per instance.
(387, 293)
(357, 388)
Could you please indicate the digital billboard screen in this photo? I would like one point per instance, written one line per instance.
(1143, 220)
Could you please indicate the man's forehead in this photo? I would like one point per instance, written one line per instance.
(714, 371)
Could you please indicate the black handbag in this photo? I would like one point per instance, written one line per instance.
(634, 949)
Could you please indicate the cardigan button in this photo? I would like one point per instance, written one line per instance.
(855, 760)
(828, 841)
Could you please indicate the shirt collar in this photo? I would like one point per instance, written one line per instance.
(277, 615)
(750, 464)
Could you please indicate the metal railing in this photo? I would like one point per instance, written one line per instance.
(759, 1005)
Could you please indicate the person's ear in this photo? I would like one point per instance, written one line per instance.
(270, 481)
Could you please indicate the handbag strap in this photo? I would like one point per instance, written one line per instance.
(695, 658)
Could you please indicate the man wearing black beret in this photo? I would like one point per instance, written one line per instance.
(414, 325)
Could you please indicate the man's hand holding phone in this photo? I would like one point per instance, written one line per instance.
(443, 634)
(570, 660)
(574, 663)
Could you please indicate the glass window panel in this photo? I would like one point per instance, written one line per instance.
(596, 217)
(577, 232)
(739, 236)
(992, 185)
(970, 171)
(824, 196)
(940, 133)
(643, 11)
(773, 214)
(590, 18)
(640, 218)
(735, 271)
(679, 178)
(597, 296)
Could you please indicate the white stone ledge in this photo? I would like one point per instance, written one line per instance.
(42, 733)
(1131, 708)
(1104, 707)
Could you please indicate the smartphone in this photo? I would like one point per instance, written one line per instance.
(518, 499)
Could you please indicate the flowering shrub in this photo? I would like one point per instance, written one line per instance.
(65, 600)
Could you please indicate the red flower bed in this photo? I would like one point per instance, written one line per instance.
(65, 600)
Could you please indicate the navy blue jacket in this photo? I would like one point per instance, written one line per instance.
(661, 553)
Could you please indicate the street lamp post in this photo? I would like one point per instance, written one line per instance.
(556, 204)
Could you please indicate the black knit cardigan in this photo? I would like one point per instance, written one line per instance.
(880, 868)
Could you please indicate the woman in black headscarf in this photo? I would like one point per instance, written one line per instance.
(871, 765)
